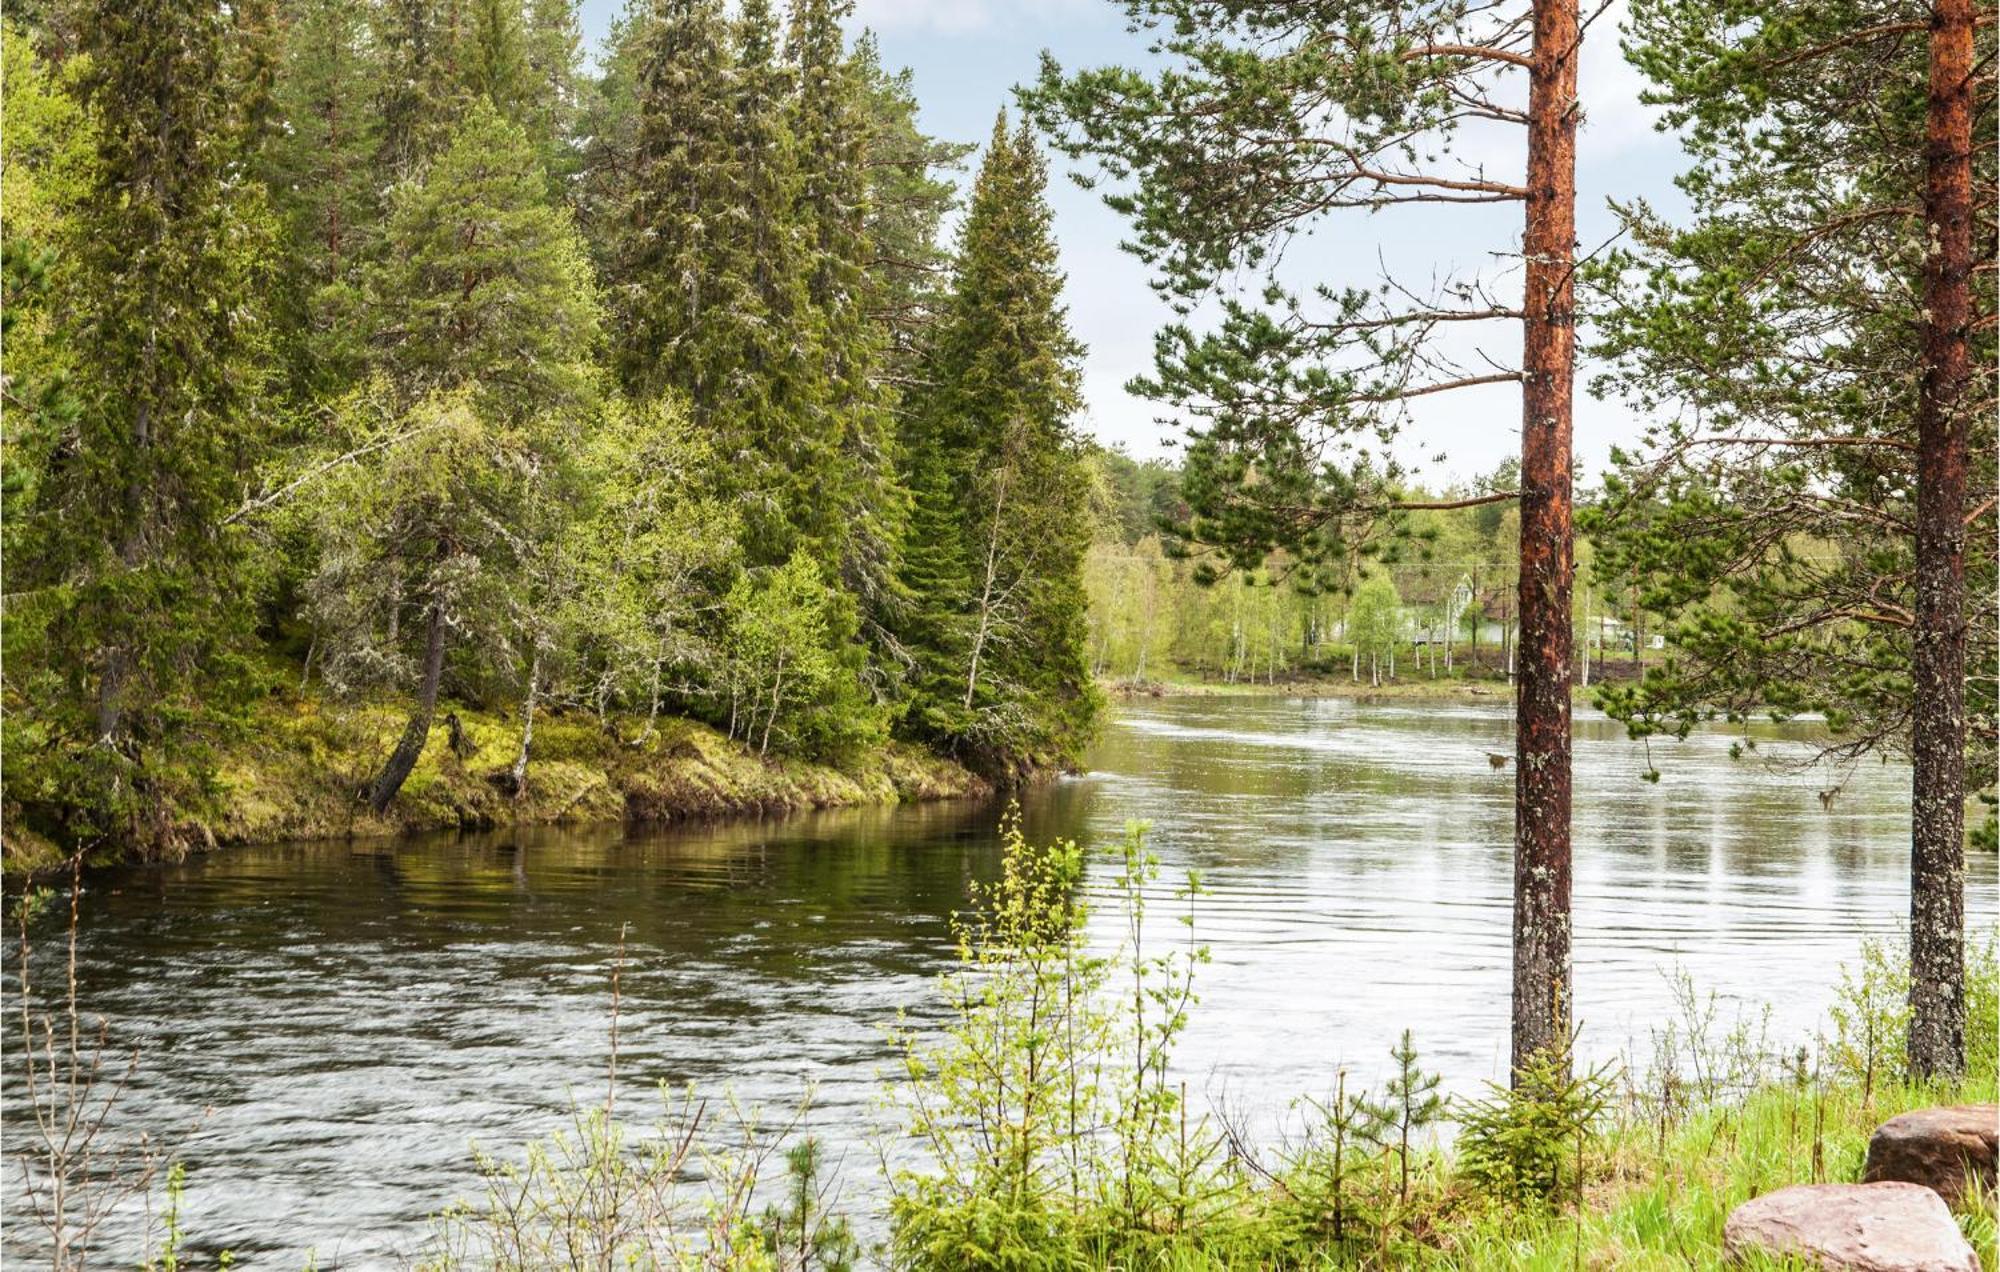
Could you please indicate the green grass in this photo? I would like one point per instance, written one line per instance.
(1655, 1198)
(1659, 1200)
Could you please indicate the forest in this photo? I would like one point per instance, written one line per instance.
(385, 352)
(418, 418)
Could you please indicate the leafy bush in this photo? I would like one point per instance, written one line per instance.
(1052, 1134)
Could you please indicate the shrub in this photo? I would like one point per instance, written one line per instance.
(1051, 1132)
(1524, 1144)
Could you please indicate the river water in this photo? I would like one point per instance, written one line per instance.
(340, 1023)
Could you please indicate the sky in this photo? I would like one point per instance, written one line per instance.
(967, 56)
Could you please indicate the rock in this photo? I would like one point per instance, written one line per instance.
(1889, 1227)
(1939, 1148)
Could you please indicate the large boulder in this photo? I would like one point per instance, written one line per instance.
(1943, 1148)
(1893, 1227)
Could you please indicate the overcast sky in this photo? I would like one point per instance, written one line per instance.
(968, 55)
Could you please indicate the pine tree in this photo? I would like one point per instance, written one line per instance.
(485, 375)
(1254, 122)
(124, 550)
(1002, 386)
(1821, 335)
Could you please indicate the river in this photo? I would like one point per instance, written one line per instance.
(353, 1017)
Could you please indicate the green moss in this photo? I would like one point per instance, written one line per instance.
(298, 771)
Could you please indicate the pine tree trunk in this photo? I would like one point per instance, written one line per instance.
(1548, 566)
(411, 745)
(1937, 840)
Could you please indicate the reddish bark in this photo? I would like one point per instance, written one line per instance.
(1548, 563)
(1937, 835)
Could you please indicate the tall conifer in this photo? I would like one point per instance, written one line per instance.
(128, 532)
(1003, 674)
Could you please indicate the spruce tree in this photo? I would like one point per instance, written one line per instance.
(666, 237)
(908, 195)
(324, 188)
(419, 47)
(554, 51)
(123, 553)
(830, 127)
(1002, 386)
(494, 64)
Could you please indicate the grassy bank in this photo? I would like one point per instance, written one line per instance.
(297, 770)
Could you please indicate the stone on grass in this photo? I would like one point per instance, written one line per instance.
(1941, 1148)
(1891, 1227)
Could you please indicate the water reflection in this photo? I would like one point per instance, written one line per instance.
(357, 1014)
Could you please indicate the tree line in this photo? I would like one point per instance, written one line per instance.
(387, 349)
(1437, 590)
(1817, 338)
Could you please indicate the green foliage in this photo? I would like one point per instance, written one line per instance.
(1410, 1104)
(1375, 618)
(995, 543)
(1051, 1132)
(1871, 1014)
(788, 678)
(1525, 1144)
(336, 378)
(484, 380)
(126, 588)
(324, 186)
(1784, 309)
(799, 1232)
(484, 284)
(170, 1255)
(1244, 127)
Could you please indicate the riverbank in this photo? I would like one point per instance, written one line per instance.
(1413, 689)
(296, 770)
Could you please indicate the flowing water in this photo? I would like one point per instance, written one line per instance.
(327, 1029)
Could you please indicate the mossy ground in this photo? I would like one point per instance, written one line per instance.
(298, 770)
